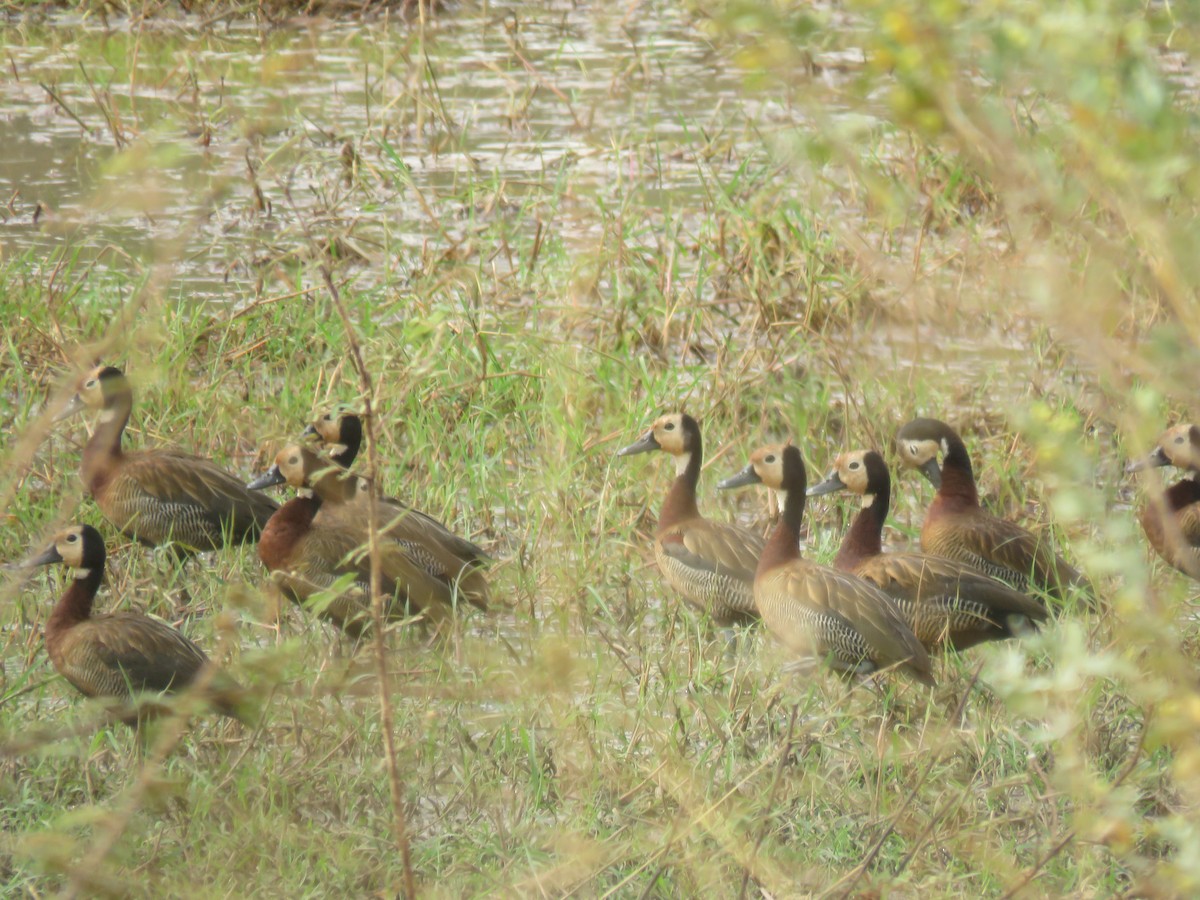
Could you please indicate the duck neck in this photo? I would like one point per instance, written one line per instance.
(865, 537)
(302, 508)
(335, 487)
(784, 544)
(958, 481)
(680, 504)
(350, 438)
(344, 456)
(285, 528)
(1184, 492)
(104, 446)
(75, 605)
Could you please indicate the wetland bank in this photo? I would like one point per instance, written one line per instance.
(546, 224)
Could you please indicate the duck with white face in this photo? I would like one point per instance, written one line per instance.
(815, 611)
(161, 496)
(443, 553)
(957, 527)
(340, 435)
(1171, 517)
(945, 602)
(709, 564)
(122, 656)
(321, 536)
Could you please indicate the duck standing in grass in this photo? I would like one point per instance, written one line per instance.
(160, 496)
(306, 559)
(120, 655)
(1171, 520)
(958, 527)
(307, 552)
(816, 611)
(945, 602)
(711, 564)
(442, 553)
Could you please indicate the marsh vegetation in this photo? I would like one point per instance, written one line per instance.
(542, 225)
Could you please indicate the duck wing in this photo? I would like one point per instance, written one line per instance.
(117, 654)
(161, 495)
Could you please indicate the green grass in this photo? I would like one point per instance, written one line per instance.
(806, 274)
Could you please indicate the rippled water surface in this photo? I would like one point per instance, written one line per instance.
(233, 150)
(243, 142)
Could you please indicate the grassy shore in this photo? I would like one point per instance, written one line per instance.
(1030, 279)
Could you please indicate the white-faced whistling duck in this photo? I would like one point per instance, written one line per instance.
(453, 559)
(120, 655)
(1171, 519)
(711, 564)
(814, 610)
(956, 526)
(945, 602)
(306, 555)
(165, 495)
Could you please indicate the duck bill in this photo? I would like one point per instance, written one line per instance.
(46, 557)
(830, 485)
(932, 471)
(644, 444)
(310, 432)
(267, 479)
(73, 407)
(741, 479)
(1153, 461)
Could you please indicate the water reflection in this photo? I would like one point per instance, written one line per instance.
(234, 137)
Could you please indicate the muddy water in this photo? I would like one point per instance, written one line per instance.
(232, 150)
(244, 144)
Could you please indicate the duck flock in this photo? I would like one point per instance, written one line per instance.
(976, 577)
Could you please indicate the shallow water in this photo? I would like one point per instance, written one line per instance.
(230, 151)
(531, 110)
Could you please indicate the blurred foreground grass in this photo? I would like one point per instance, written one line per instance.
(999, 232)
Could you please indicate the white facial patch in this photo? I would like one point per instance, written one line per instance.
(682, 461)
(82, 573)
(108, 415)
(945, 446)
(868, 500)
(782, 496)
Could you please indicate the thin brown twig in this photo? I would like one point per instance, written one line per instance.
(266, 301)
(552, 88)
(62, 104)
(387, 717)
(83, 877)
(855, 875)
(1069, 836)
(108, 111)
(762, 832)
